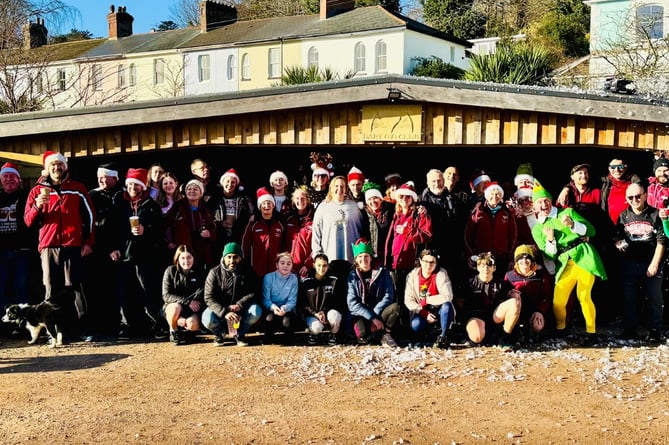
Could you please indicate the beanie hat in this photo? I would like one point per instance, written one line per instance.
(493, 186)
(478, 177)
(393, 179)
(231, 172)
(524, 171)
(8, 167)
(51, 156)
(264, 195)
(539, 191)
(524, 250)
(355, 173)
(195, 182)
(660, 162)
(232, 248)
(371, 189)
(107, 170)
(276, 175)
(136, 176)
(407, 189)
(361, 246)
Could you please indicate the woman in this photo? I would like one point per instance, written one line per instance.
(316, 302)
(264, 236)
(299, 222)
(183, 294)
(377, 216)
(278, 181)
(156, 172)
(429, 296)
(232, 210)
(279, 292)
(190, 223)
(169, 192)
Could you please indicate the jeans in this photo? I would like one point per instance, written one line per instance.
(446, 317)
(219, 326)
(14, 263)
(634, 276)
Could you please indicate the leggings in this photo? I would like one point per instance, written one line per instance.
(574, 276)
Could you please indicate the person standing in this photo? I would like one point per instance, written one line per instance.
(641, 240)
(63, 210)
(232, 209)
(356, 180)
(264, 235)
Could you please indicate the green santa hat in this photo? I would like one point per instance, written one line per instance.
(361, 246)
(539, 191)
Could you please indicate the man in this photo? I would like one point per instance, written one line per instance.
(356, 179)
(658, 185)
(614, 186)
(63, 209)
(201, 171)
(229, 293)
(641, 240)
(16, 242)
(101, 299)
(563, 237)
(138, 229)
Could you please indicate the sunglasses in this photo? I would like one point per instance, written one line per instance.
(617, 167)
(635, 197)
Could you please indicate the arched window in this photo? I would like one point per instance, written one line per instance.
(232, 67)
(203, 67)
(246, 67)
(121, 76)
(312, 57)
(132, 75)
(359, 58)
(381, 57)
(649, 20)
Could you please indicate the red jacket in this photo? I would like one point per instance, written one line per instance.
(69, 217)
(297, 239)
(402, 249)
(486, 232)
(184, 226)
(658, 194)
(262, 242)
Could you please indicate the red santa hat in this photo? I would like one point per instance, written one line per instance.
(136, 176)
(355, 173)
(232, 172)
(51, 156)
(8, 167)
(493, 186)
(264, 195)
(320, 171)
(408, 189)
(276, 175)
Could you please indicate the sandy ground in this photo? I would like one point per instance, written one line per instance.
(155, 392)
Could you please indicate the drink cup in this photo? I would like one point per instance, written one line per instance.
(134, 221)
(45, 192)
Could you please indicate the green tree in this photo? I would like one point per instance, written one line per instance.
(72, 36)
(563, 25)
(299, 75)
(519, 64)
(167, 25)
(456, 17)
(390, 5)
(435, 67)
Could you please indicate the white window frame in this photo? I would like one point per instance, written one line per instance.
(312, 57)
(96, 77)
(359, 59)
(132, 75)
(232, 67)
(203, 68)
(61, 79)
(381, 57)
(158, 71)
(274, 63)
(650, 15)
(246, 66)
(121, 76)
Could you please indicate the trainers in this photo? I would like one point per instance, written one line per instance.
(175, 337)
(123, 333)
(241, 341)
(388, 340)
(312, 340)
(364, 340)
(332, 339)
(219, 340)
(506, 342)
(654, 336)
(442, 342)
(160, 334)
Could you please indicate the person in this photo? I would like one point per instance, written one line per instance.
(521, 203)
(658, 185)
(320, 180)
(356, 180)
(562, 236)
(299, 222)
(377, 215)
(201, 171)
(492, 228)
(17, 242)
(62, 209)
(183, 294)
(536, 291)
(371, 299)
(101, 300)
(190, 223)
(641, 240)
(279, 290)
(230, 294)
(316, 301)
(490, 304)
(264, 235)
(155, 172)
(169, 192)
(393, 182)
(478, 184)
(232, 209)
(410, 231)
(614, 186)
(429, 297)
(278, 182)
(139, 231)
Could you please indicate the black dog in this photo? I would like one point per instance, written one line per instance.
(35, 317)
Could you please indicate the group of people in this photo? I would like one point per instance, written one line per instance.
(342, 257)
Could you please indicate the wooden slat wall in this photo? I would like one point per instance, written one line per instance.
(447, 125)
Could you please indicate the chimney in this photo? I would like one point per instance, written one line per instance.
(35, 34)
(120, 23)
(330, 8)
(216, 13)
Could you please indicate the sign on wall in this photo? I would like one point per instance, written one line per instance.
(391, 122)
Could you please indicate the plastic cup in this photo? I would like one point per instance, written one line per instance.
(134, 221)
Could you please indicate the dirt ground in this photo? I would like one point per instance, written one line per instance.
(158, 393)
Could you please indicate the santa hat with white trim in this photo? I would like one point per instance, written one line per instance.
(8, 167)
(136, 176)
(408, 189)
(264, 195)
(51, 156)
(355, 173)
(493, 186)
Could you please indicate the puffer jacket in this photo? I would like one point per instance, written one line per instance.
(224, 287)
(183, 287)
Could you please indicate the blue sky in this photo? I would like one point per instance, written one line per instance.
(93, 15)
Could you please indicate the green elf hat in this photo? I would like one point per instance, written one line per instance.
(538, 191)
(361, 246)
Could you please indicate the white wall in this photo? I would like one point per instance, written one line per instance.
(218, 80)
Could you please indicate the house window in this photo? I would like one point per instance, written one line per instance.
(452, 48)
(232, 67)
(312, 57)
(132, 74)
(274, 63)
(96, 77)
(381, 56)
(60, 80)
(120, 76)
(359, 58)
(203, 68)
(158, 71)
(649, 21)
(246, 67)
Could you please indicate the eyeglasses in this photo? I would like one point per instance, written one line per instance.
(617, 167)
(635, 197)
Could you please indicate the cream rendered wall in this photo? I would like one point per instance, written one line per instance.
(145, 89)
(259, 56)
(218, 80)
(421, 45)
